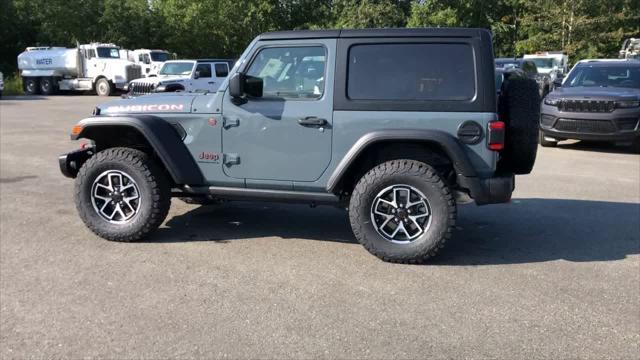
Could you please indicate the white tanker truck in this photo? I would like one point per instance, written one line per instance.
(94, 67)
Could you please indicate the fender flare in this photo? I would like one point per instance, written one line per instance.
(162, 137)
(451, 146)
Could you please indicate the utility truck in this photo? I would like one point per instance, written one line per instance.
(630, 49)
(553, 64)
(149, 60)
(88, 67)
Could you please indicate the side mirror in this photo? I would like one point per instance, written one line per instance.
(557, 82)
(196, 75)
(241, 84)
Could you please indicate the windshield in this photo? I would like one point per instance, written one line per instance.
(180, 68)
(112, 53)
(159, 56)
(507, 63)
(604, 76)
(545, 63)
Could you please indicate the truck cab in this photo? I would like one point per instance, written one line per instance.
(149, 60)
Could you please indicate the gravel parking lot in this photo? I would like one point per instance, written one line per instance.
(554, 274)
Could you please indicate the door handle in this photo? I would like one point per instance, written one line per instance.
(312, 121)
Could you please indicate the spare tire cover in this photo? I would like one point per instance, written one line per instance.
(521, 113)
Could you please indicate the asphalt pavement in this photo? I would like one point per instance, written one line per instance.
(553, 274)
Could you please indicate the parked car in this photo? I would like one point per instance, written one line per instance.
(1, 84)
(598, 101)
(529, 68)
(184, 75)
(394, 124)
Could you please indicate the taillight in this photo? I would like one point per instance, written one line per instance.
(495, 135)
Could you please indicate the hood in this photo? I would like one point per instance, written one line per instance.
(174, 102)
(588, 92)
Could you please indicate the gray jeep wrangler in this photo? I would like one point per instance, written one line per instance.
(396, 125)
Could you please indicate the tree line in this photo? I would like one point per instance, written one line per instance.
(222, 28)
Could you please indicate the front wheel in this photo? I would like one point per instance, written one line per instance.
(121, 194)
(402, 211)
(103, 87)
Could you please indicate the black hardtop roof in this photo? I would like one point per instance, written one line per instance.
(374, 33)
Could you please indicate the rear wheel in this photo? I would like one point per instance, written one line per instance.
(47, 86)
(103, 87)
(31, 85)
(121, 194)
(402, 211)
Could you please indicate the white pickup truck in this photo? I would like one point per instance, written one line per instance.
(204, 75)
(149, 60)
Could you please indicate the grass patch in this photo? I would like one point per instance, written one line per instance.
(13, 85)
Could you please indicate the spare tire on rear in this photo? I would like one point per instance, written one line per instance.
(520, 110)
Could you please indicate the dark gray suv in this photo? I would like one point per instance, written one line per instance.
(598, 101)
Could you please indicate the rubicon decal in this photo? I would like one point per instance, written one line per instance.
(146, 108)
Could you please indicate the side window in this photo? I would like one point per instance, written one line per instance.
(222, 70)
(91, 53)
(204, 70)
(140, 58)
(290, 72)
(530, 68)
(411, 71)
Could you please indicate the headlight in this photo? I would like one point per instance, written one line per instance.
(625, 104)
(551, 101)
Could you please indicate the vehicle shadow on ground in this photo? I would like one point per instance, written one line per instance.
(524, 231)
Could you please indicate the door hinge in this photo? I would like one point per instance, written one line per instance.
(229, 123)
(231, 159)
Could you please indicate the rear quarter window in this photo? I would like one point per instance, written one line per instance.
(411, 71)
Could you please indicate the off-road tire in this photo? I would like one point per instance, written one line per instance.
(522, 119)
(155, 193)
(415, 174)
(103, 87)
(31, 85)
(47, 86)
(546, 143)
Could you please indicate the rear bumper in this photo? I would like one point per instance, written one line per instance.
(493, 190)
(71, 163)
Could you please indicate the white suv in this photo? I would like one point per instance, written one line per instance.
(1, 84)
(184, 75)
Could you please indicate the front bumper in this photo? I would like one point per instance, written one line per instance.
(621, 125)
(71, 163)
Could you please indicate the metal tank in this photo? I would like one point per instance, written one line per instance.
(50, 61)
